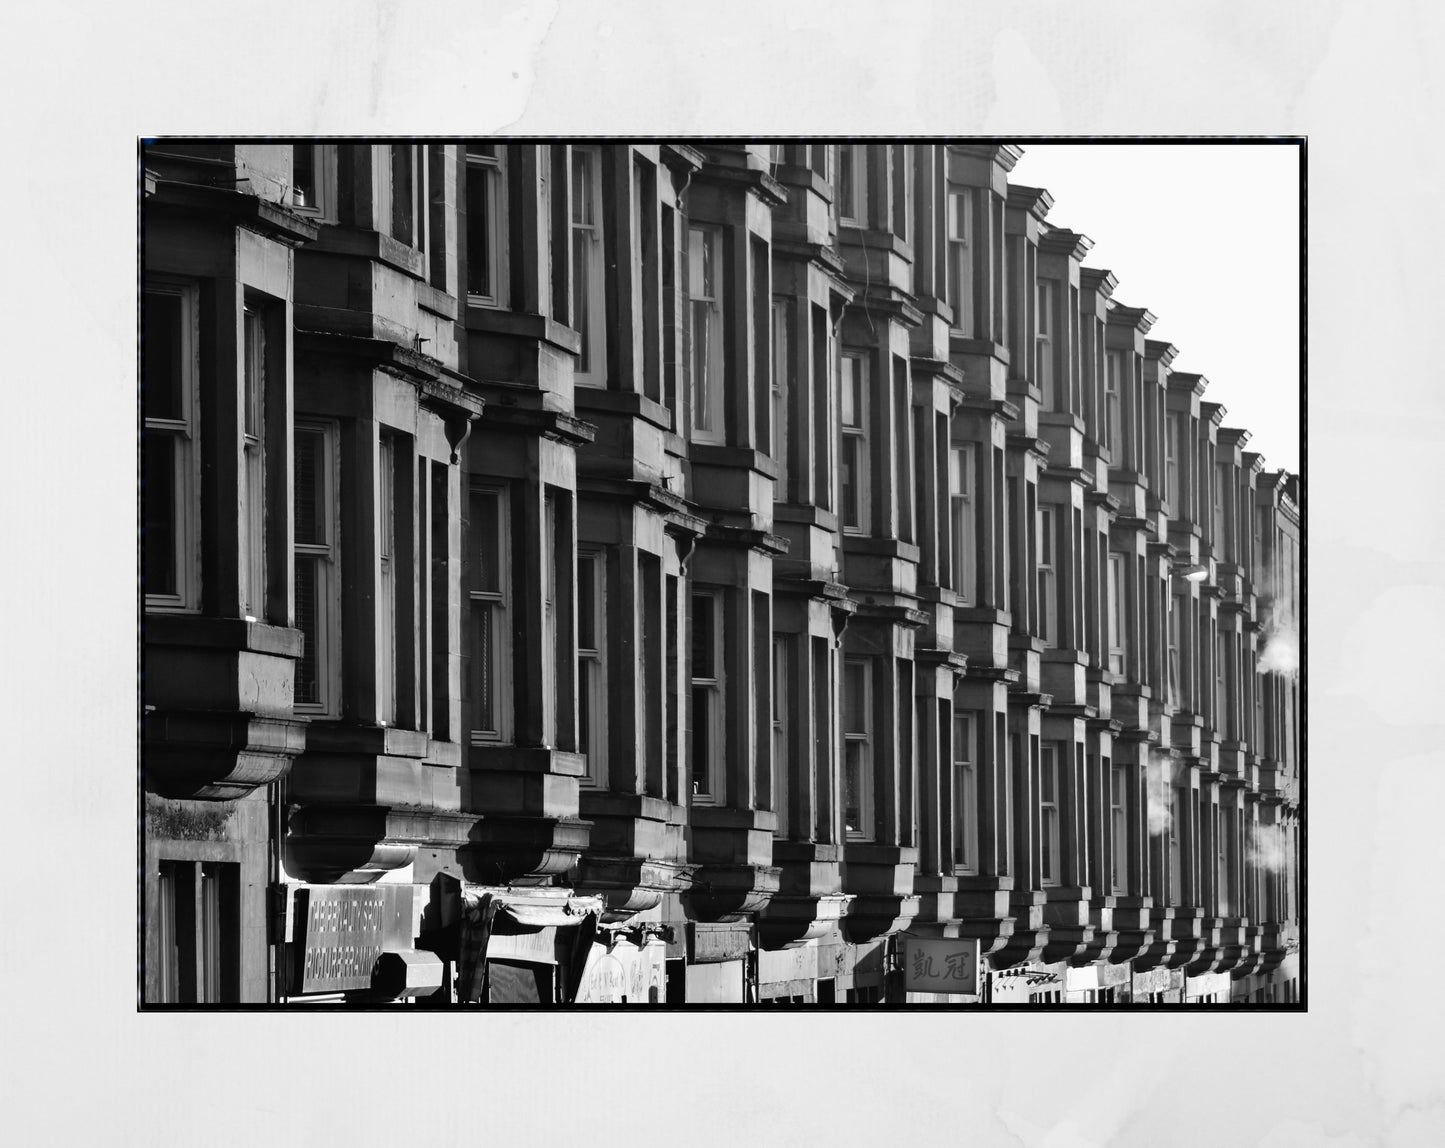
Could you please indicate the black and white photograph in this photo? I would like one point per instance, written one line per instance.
(780, 573)
(717, 573)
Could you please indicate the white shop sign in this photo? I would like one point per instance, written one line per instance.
(625, 975)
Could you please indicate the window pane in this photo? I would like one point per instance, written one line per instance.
(853, 781)
(586, 602)
(701, 739)
(303, 176)
(701, 357)
(163, 352)
(702, 637)
(308, 606)
(487, 574)
(159, 534)
(479, 230)
(582, 188)
(483, 660)
(310, 489)
(210, 934)
(585, 671)
(581, 278)
(855, 698)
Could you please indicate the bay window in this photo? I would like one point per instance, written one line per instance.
(854, 464)
(782, 705)
(489, 592)
(1176, 844)
(858, 749)
(1119, 829)
(592, 710)
(965, 542)
(705, 289)
(253, 450)
(1117, 625)
(386, 612)
(403, 193)
(316, 569)
(1171, 490)
(486, 192)
(1176, 611)
(1047, 588)
(781, 386)
(171, 483)
(1048, 293)
(706, 714)
(1113, 407)
(965, 793)
(313, 180)
(960, 267)
(1050, 861)
(852, 189)
(589, 310)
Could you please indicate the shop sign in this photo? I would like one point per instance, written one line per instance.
(1081, 980)
(626, 974)
(539, 948)
(1111, 976)
(340, 931)
(1160, 980)
(786, 965)
(1210, 984)
(940, 965)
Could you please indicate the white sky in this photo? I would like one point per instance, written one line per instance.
(1207, 237)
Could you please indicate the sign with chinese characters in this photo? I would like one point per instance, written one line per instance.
(940, 965)
(340, 930)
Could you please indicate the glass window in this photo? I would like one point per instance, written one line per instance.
(253, 566)
(592, 707)
(1044, 343)
(1119, 827)
(1176, 611)
(170, 537)
(386, 619)
(1114, 408)
(313, 180)
(965, 536)
(315, 569)
(1050, 861)
(489, 593)
(960, 267)
(782, 705)
(1117, 622)
(965, 793)
(705, 329)
(707, 698)
(858, 750)
(1048, 596)
(854, 478)
(486, 191)
(589, 311)
(852, 187)
(782, 386)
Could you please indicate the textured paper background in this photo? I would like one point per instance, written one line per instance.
(1362, 1067)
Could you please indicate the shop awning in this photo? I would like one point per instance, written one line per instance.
(488, 910)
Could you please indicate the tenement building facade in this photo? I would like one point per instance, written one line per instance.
(693, 573)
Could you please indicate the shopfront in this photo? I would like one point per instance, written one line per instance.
(524, 946)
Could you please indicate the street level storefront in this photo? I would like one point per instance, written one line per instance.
(524, 946)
